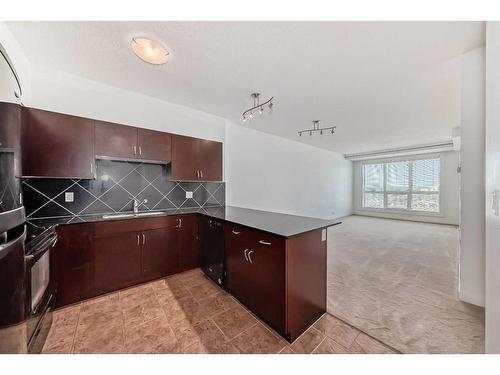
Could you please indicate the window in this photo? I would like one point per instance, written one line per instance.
(411, 185)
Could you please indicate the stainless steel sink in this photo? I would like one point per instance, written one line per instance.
(139, 214)
(117, 216)
(149, 213)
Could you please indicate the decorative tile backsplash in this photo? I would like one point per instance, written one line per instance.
(114, 189)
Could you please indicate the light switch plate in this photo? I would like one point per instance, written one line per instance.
(323, 235)
(189, 194)
(69, 196)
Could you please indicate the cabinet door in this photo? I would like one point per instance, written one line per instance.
(117, 261)
(184, 158)
(160, 255)
(74, 263)
(154, 145)
(57, 145)
(188, 246)
(238, 280)
(115, 141)
(266, 268)
(210, 160)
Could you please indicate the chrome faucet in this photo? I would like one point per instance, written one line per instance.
(137, 204)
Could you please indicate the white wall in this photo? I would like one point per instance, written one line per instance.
(472, 219)
(492, 282)
(271, 173)
(449, 193)
(21, 66)
(66, 93)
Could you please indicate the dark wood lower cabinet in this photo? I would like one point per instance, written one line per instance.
(256, 273)
(96, 258)
(189, 255)
(239, 277)
(117, 261)
(74, 263)
(160, 253)
(281, 280)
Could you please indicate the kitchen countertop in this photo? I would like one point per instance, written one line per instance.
(280, 224)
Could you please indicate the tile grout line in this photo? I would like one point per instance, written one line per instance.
(76, 329)
(321, 342)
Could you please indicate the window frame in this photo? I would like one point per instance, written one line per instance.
(410, 191)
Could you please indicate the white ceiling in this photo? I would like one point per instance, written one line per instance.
(384, 84)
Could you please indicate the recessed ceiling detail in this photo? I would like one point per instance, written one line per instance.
(317, 129)
(257, 107)
(150, 51)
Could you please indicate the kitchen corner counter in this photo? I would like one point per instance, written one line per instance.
(273, 222)
(284, 225)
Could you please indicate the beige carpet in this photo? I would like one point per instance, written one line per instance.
(397, 281)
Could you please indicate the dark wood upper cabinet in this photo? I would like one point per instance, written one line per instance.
(210, 160)
(154, 145)
(127, 142)
(195, 159)
(56, 145)
(65, 146)
(114, 140)
(184, 158)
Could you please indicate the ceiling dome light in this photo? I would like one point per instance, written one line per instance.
(149, 50)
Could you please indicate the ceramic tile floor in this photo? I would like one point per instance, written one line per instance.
(187, 313)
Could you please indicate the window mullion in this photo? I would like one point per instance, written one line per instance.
(385, 185)
(410, 184)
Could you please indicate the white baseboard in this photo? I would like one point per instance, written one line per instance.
(472, 298)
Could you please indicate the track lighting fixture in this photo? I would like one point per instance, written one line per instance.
(249, 113)
(316, 129)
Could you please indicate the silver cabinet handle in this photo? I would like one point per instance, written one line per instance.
(235, 232)
(180, 223)
(249, 257)
(264, 242)
(143, 239)
(201, 173)
(91, 168)
(197, 174)
(135, 150)
(138, 240)
(140, 150)
(245, 253)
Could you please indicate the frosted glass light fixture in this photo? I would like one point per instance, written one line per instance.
(149, 50)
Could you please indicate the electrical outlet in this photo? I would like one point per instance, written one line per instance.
(69, 196)
(189, 194)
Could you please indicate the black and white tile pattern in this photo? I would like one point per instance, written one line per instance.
(116, 186)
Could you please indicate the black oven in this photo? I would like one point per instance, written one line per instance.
(40, 290)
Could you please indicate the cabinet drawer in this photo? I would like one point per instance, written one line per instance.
(108, 228)
(237, 234)
(262, 240)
